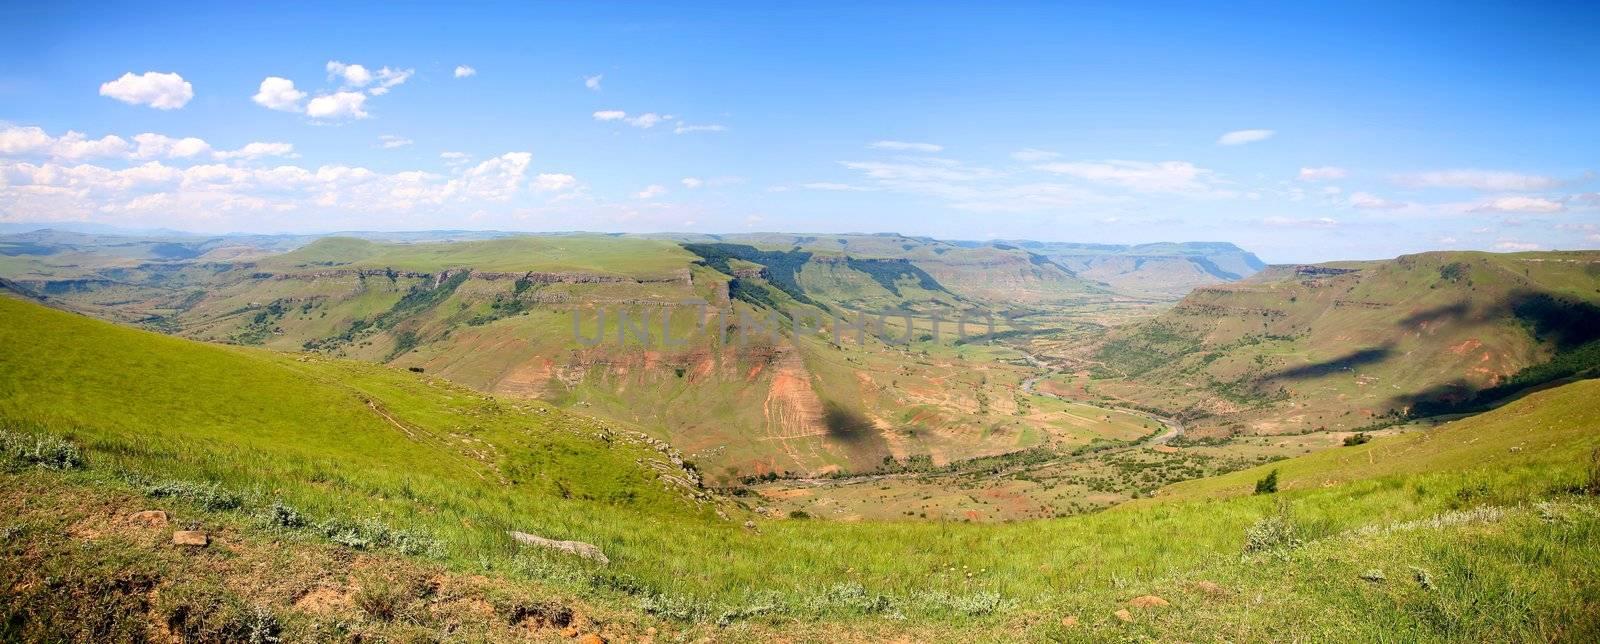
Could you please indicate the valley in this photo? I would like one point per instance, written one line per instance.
(419, 401)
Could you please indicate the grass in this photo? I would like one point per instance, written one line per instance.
(592, 254)
(362, 450)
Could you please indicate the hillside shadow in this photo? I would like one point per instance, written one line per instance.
(1343, 363)
(1447, 312)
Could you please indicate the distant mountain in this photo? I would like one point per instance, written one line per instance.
(1349, 344)
(1167, 270)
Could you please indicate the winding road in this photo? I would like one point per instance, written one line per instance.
(1030, 386)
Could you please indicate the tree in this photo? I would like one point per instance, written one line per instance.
(1269, 484)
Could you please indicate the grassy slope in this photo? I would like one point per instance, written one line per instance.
(1283, 352)
(273, 427)
(601, 255)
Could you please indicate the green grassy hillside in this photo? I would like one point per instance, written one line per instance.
(392, 462)
(1344, 346)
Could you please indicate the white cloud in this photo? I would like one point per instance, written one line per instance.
(349, 75)
(1484, 180)
(1514, 245)
(74, 146)
(1033, 155)
(905, 146)
(834, 187)
(463, 71)
(647, 120)
(593, 82)
(338, 105)
(455, 158)
(388, 78)
(278, 94)
(390, 141)
(1290, 222)
(157, 90)
(692, 182)
(259, 149)
(1142, 176)
(1523, 205)
(1368, 201)
(554, 182)
(155, 146)
(1324, 173)
(686, 129)
(610, 115)
(1241, 137)
(24, 140)
(651, 192)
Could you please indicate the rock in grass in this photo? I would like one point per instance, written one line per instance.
(1147, 601)
(153, 518)
(189, 538)
(585, 550)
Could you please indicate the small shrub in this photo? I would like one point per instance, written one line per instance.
(1272, 533)
(1269, 484)
(798, 514)
(40, 450)
(285, 516)
(211, 496)
(1358, 438)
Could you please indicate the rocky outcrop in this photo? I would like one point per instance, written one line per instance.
(579, 548)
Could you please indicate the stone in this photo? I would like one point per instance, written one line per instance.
(190, 538)
(585, 550)
(154, 518)
(1147, 601)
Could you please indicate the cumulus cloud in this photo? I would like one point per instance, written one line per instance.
(1141, 176)
(692, 182)
(1484, 180)
(75, 145)
(156, 146)
(1241, 137)
(23, 140)
(463, 71)
(905, 146)
(388, 78)
(339, 105)
(1324, 173)
(349, 75)
(593, 82)
(651, 192)
(610, 115)
(1520, 204)
(391, 141)
(278, 94)
(259, 149)
(50, 190)
(155, 89)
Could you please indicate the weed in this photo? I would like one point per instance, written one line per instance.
(39, 450)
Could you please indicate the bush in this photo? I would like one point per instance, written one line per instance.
(1269, 484)
(1273, 533)
(211, 496)
(40, 450)
(1358, 438)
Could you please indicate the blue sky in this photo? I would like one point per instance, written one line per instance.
(1303, 132)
